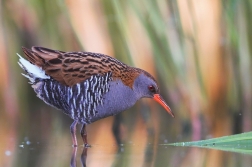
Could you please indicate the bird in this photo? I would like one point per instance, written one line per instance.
(86, 86)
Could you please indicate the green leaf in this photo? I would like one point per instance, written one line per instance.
(240, 143)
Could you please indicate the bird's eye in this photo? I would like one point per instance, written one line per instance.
(152, 89)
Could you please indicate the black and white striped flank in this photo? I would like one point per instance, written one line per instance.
(79, 101)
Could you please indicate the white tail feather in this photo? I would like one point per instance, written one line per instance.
(33, 71)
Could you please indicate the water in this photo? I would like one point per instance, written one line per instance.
(39, 154)
(43, 139)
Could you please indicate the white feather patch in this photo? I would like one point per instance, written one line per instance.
(32, 70)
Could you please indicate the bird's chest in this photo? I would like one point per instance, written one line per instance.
(94, 100)
(117, 99)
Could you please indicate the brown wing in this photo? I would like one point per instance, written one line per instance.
(70, 68)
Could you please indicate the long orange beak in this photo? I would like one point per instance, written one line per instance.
(161, 101)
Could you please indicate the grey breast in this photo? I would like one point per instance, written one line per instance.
(119, 98)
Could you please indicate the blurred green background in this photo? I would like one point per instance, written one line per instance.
(199, 51)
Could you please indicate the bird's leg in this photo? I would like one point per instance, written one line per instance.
(73, 133)
(84, 157)
(84, 135)
(73, 158)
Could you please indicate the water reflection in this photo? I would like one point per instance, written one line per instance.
(128, 155)
(168, 156)
(83, 157)
(121, 156)
(125, 154)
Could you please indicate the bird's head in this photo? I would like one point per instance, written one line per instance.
(146, 86)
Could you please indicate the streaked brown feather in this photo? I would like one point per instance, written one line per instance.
(70, 68)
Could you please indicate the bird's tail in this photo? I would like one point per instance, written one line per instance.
(33, 72)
